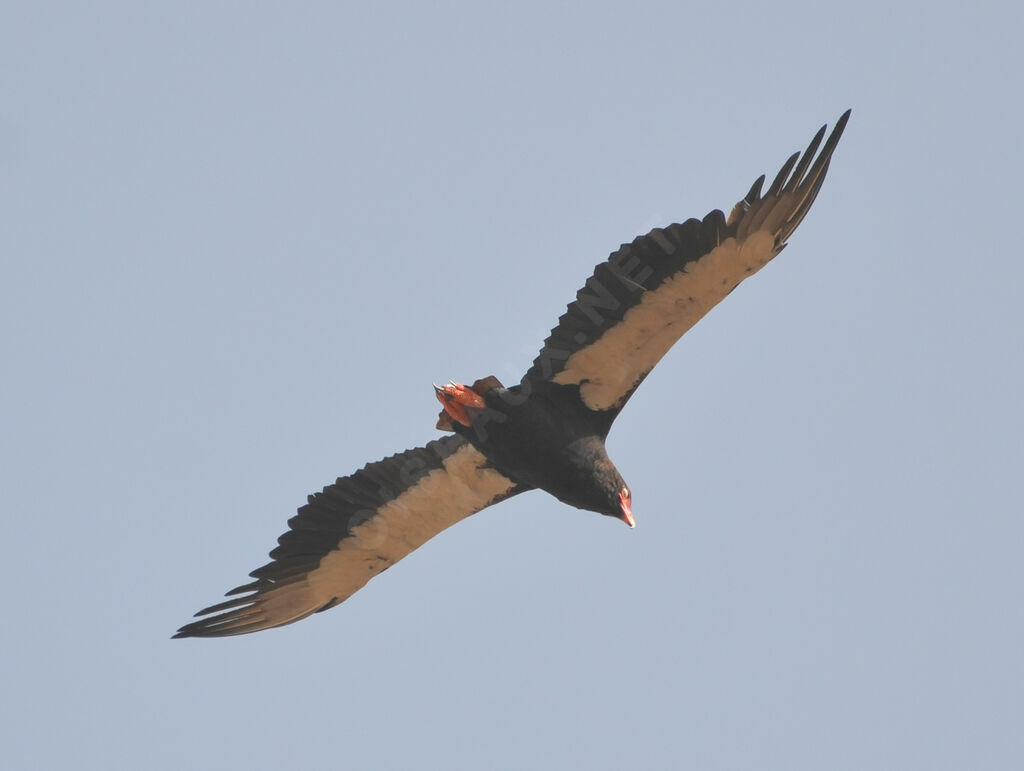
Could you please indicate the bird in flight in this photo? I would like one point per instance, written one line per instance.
(548, 432)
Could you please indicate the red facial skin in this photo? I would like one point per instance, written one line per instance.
(627, 513)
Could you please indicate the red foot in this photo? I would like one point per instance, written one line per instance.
(455, 397)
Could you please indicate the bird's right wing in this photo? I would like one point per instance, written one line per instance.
(355, 529)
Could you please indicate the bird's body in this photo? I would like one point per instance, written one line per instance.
(548, 431)
(544, 437)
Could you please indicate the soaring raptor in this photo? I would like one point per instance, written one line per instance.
(547, 432)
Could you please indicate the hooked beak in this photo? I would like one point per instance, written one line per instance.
(626, 511)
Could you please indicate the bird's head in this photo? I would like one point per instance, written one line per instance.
(616, 500)
(592, 482)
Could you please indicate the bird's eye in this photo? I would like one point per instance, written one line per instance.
(625, 492)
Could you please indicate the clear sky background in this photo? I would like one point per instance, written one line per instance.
(238, 242)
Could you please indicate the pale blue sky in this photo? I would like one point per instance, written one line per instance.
(238, 243)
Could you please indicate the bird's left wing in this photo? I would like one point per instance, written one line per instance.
(355, 529)
(651, 291)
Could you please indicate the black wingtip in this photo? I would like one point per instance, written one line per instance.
(755, 190)
(789, 197)
(811, 183)
(782, 176)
